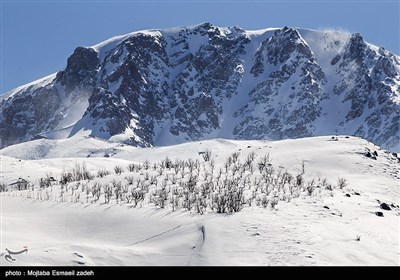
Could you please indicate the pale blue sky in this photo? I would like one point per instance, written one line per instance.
(38, 36)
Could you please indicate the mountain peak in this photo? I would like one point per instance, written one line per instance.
(356, 47)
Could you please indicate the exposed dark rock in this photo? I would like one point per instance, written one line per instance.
(80, 70)
(384, 206)
(370, 155)
(335, 59)
(379, 214)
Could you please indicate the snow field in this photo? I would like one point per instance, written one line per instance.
(317, 228)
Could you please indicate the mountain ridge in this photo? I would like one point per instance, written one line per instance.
(162, 87)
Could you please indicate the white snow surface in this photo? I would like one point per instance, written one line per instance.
(32, 85)
(299, 232)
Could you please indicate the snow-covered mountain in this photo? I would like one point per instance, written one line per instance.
(316, 222)
(162, 87)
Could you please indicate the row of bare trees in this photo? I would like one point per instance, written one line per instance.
(191, 184)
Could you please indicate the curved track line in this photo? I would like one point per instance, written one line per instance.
(197, 248)
(154, 236)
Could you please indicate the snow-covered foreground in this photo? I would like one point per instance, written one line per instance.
(317, 229)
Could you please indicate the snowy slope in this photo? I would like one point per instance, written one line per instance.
(317, 229)
(164, 87)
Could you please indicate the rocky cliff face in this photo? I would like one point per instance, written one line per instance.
(161, 87)
(294, 88)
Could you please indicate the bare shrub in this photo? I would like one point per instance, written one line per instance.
(207, 155)
(200, 204)
(117, 186)
(263, 163)
(227, 164)
(177, 166)
(96, 191)
(310, 187)
(173, 179)
(130, 179)
(190, 163)
(66, 177)
(328, 187)
(107, 193)
(137, 195)
(235, 199)
(248, 164)
(44, 182)
(146, 164)
(103, 173)
(168, 163)
(131, 167)
(324, 183)
(88, 190)
(118, 170)
(161, 195)
(160, 169)
(22, 184)
(80, 172)
(3, 187)
(342, 183)
(174, 199)
(299, 181)
(153, 180)
(263, 200)
(273, 202)
(219, 202)
(235, 157)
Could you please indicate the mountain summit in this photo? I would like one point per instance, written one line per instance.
(162, 87)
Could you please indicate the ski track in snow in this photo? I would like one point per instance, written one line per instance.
(154, 236)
